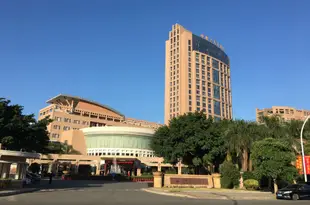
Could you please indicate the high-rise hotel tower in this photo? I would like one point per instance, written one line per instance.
(197, 76)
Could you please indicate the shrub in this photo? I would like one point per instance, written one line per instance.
(248, 175)
(226, 183)
(147, 174)
(171, 171)
(229, 175)
(5, 183)
(251, 184)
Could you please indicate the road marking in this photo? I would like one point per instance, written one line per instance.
(11, 198)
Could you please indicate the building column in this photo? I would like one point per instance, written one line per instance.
(77, 167)
(6, 170)
(1, 168)
(20, 172)
(105, 169)
(98, 168)
(179, 167)
(159, 167)
(50, 167)
(18, 168)
(158, 180)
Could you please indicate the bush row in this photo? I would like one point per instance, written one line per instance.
(5, 183)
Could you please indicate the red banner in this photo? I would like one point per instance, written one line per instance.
(299, 164)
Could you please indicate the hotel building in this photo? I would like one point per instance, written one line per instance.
(285, 112)
(197, 76)
(73, 113)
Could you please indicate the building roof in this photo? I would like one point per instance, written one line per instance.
(141, 131)
(76, 98)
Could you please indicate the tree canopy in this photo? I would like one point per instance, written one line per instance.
(201, 142)
(21, 132)
(61, 148)
(192, 138)
(273, 158)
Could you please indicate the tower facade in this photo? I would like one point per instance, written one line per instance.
(197, 76)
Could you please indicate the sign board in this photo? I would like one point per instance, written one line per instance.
(299, 164)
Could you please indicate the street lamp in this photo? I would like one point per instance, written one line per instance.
(302, 148)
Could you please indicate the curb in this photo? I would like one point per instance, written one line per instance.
(15, 192)
(211, 195)
(169, 194)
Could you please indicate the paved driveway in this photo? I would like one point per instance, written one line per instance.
(99, 193)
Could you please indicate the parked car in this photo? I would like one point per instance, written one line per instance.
(294, 192)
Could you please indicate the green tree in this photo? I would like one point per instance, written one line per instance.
(229, 175)
(61, 148)
(34, 168)
(191, 137)
(21, 132)
(276, 127)
(273, 158)
(239, 137)
(307, 148)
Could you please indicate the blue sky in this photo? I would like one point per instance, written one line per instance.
(113, 51)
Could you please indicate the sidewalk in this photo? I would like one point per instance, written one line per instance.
(223, 194)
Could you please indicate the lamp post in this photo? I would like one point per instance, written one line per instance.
(302, 149)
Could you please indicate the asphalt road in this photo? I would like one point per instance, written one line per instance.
(96, 193)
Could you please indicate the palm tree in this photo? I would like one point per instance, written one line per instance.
(240, 136)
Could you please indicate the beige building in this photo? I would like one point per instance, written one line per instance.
(73, 113)
(286, 113)
(197, 76)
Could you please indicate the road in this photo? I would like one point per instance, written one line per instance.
(96, 193)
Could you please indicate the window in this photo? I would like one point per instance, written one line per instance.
(58, 119)
(66, 128)
(198, 103)
(216, 119)
(57, 127)
(216, 76)
(67, 119)
(54, 135)
(217, 108)
(215, 64)
(76, 121)
(216, 91)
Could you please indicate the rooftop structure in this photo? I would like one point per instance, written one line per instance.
(285, 112)
(73, 113)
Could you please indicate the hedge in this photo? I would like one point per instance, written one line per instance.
(251, 184)
(5, 183)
